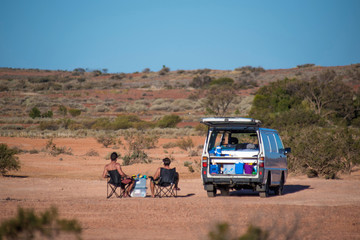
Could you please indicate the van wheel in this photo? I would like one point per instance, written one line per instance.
(211, 193)
(224, 191)
(280, 188)
(265, 194)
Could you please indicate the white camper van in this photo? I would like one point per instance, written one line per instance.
(239, 154)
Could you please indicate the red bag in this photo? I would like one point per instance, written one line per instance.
(126, 180)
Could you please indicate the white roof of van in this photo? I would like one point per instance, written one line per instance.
(212, 121)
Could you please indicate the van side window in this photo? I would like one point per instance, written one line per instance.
(273, 143)
(266, 141)
(279, 143)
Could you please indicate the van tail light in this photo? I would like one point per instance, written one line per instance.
(204, 162)
(261, 163)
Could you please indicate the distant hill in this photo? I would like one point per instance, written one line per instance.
(149, 95)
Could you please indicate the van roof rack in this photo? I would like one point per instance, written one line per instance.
(215, 121)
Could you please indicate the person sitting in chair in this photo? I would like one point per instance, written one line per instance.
(156, 177)
(115, 166)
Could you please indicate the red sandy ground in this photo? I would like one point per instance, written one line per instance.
(310, 208)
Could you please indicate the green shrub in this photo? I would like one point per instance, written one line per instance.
(322, 152)
(8, 160)
(125, 122)
(200, 81)
(48, 114)
(99, 124)
(27, 224)
(74, 112)
(35, 113)
(222, 81)
(168, 121)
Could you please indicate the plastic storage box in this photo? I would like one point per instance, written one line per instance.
(214, 169)
(229, 169)
(140, 188)
(248, 169)
(239, 168)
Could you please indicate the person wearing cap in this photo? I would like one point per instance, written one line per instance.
(156, 177)
(114, 165)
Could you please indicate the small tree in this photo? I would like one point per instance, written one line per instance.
(218, 99)
(8, 161)
(35, 113)
(164, 70)
(137, 142)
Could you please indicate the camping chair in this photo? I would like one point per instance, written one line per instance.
(114, 183)
(165, 187)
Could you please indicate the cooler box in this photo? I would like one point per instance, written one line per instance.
(140, 188)
(214, 169)
(239, 168)
(248, 169)
(229, 169)
(140, 183)
(141, 192)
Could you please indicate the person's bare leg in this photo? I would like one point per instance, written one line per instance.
(127, 194)
(152, 188)
(177, 182)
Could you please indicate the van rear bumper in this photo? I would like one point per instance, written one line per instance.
(210, 183)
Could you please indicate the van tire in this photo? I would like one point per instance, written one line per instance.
(224, 191)
(280, 188)
(265, 194)
(211, 193)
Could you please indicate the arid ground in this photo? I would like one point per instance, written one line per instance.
(309, 209)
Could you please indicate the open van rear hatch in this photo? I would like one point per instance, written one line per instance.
(225, 121)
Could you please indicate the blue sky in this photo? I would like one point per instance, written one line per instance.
(131, 35)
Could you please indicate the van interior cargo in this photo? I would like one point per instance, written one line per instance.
(233, 152)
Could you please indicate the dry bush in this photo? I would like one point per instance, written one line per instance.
(106, 140)
(92, 153)
(169, 145)
(54, 150)
(138, 106)
(185, 144)
(161, 105)
(183, 104)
